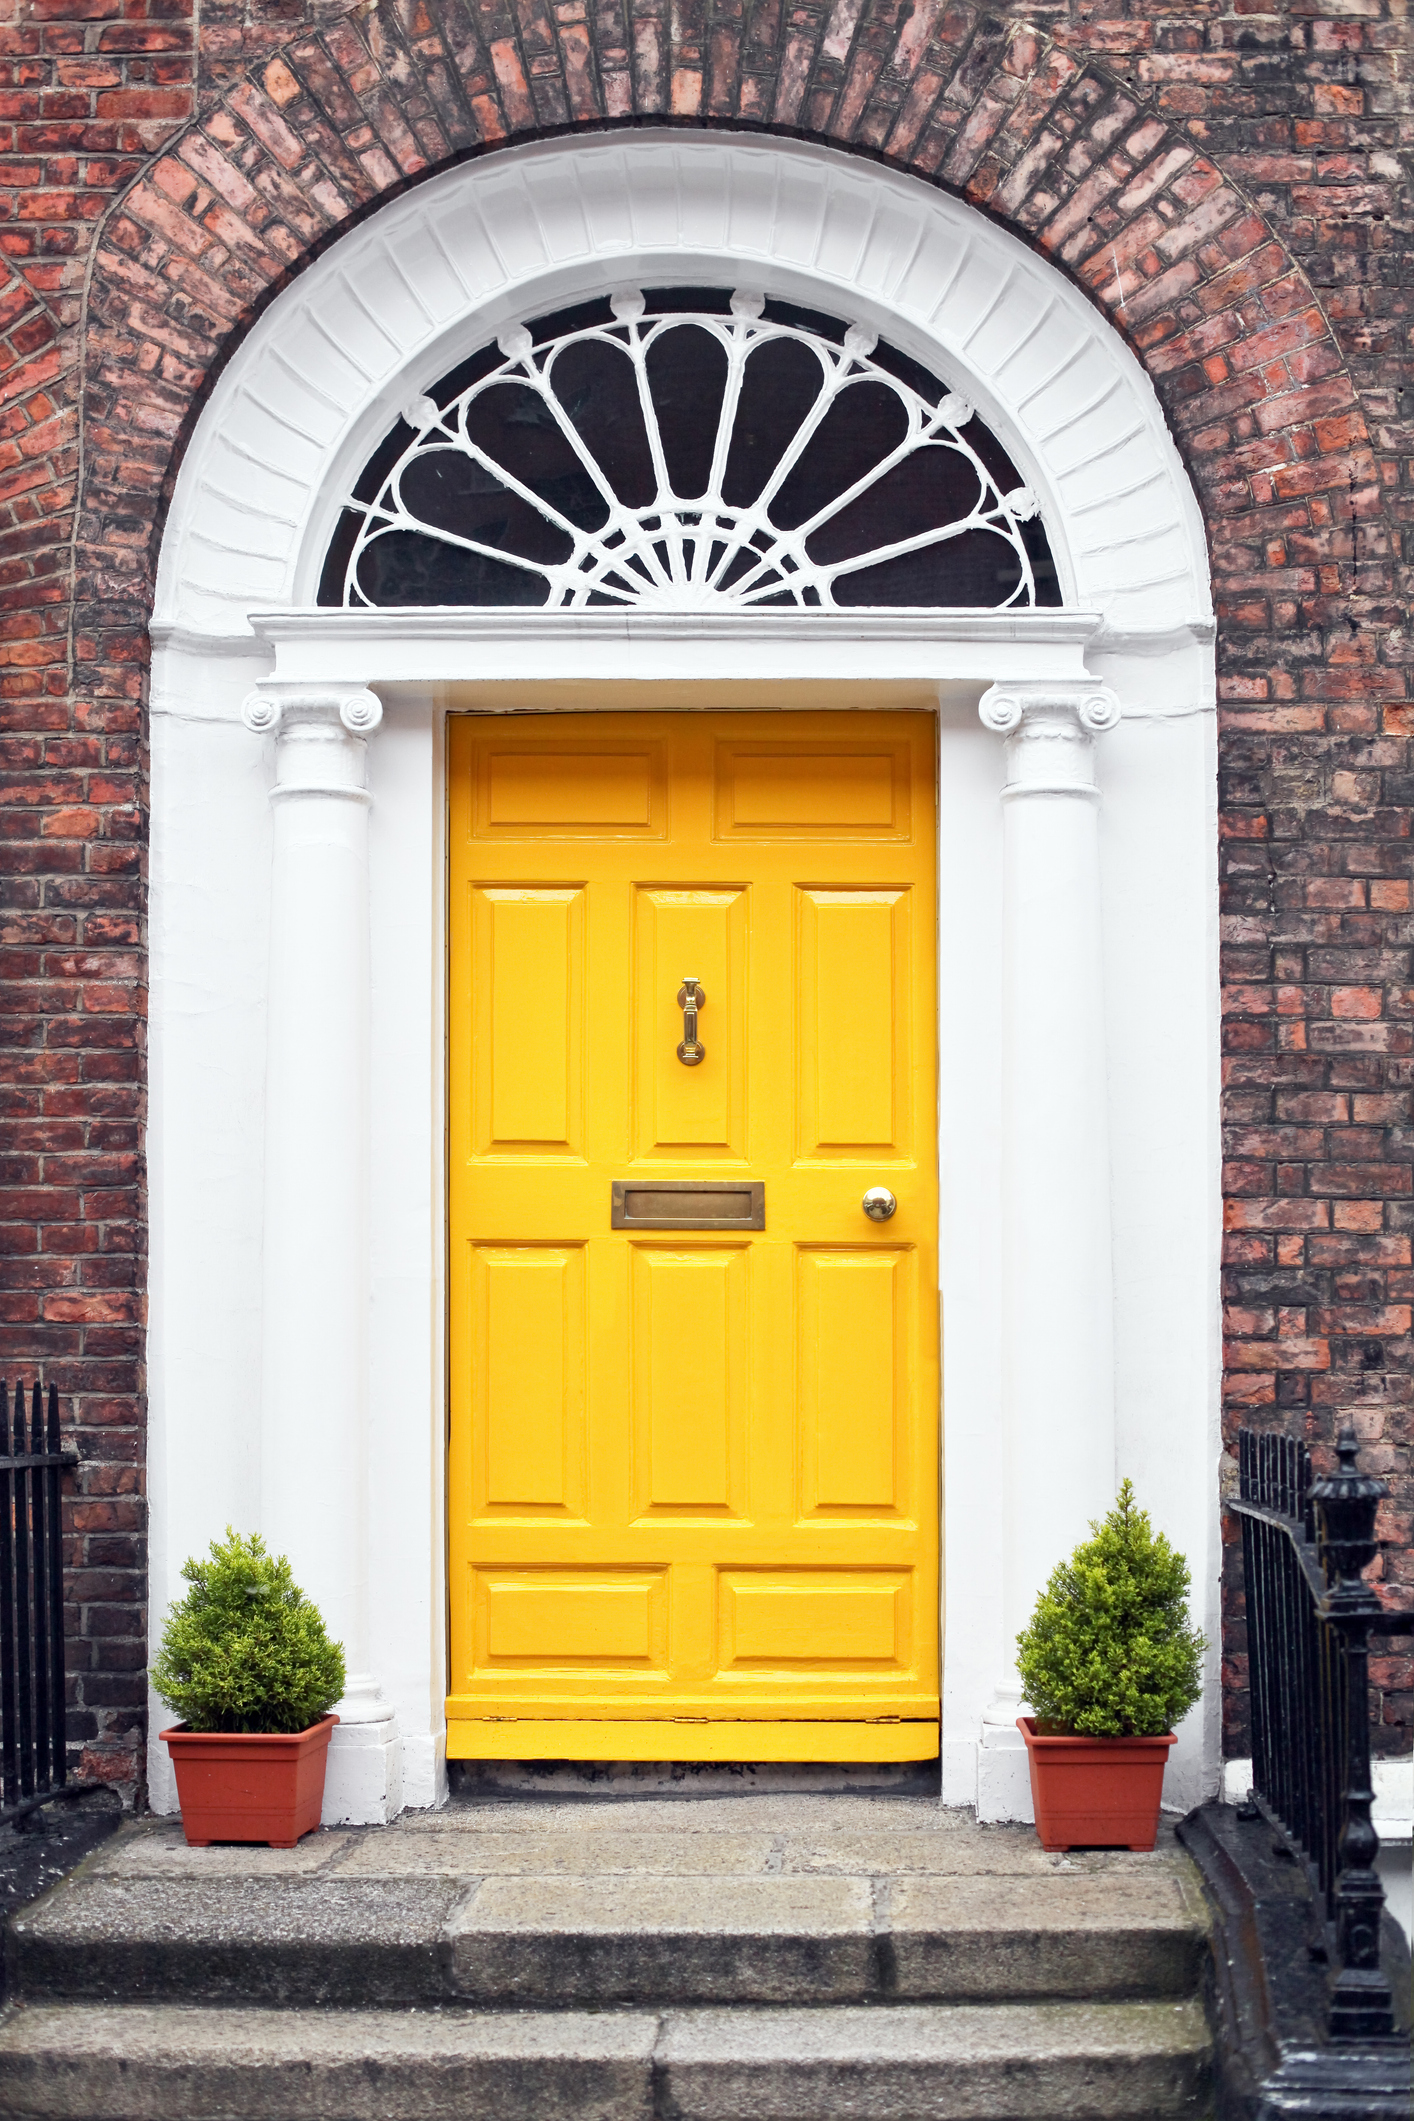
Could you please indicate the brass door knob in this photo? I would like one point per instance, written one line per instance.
(879, 1204)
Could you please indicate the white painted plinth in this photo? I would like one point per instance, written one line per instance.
(363, 1785)
(1003, 1775)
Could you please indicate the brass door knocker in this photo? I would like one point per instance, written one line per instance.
(690, 999)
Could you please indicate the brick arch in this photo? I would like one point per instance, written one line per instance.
(1059, 149)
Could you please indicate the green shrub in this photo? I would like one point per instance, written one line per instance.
(245, 1650)
(1110, 1652)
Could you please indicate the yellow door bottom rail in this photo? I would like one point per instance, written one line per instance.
(509, 1738)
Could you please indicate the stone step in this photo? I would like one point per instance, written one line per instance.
(957, 2062)
(331, 1933)
(821, 1940)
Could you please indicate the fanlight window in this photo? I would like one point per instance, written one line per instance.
(690, 451)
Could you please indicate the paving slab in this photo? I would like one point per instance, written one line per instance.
(1097, 2062)
(664, 1940)
(553, 1855)
(149, 2063)
(157, 1848)
(976, 1850)
(287, 1941)
(1060, 1935)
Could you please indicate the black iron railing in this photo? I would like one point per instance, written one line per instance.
(32, 1762)
(1310, 1617)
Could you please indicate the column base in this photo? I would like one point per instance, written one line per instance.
(424, 1770)
(1003, 1770)
(959, 1771)
(364, 1782)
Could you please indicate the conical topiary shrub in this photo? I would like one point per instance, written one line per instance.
(1109, 1663)
(1110, 1652)
(245, 1650)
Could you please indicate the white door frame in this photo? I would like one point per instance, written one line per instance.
(295, 1352)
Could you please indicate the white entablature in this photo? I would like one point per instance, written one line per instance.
(468, 255)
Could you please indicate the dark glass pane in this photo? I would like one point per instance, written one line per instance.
(928, 489)
(1033, 534)
(865, 423)
(1043, 567)
(483, 362)
(402, 567)
(994, 457)
(976, 570)
(517, 429)
(805, 320)
(671, 301)
(741, 564)
(336, 559)
(913, 373)
(384, 457)
(781, 382)
(583, 317)
(598, 387)
(453, 492)
(687, 375)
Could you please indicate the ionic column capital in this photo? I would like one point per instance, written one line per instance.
(1050, 731)
(321, 731)
(279, 705)
(1038, 708)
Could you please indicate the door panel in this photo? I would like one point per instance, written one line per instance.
(692, 1472)
(853, 1381)
(582, 788)
(527, 1380)
(836, 1618)
(703, 1109)
(853, 1038)
(689, 1381)
(779, 790)
(570, 1619)
(528, 991)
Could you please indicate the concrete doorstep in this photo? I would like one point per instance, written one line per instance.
(810, 1959)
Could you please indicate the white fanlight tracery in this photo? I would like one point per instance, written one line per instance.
(657, 460)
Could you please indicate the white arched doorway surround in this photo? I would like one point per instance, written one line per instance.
(298, 1235)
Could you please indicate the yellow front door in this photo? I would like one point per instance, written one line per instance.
(693, 1475)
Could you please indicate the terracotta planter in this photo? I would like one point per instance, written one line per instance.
(250, 1786)
(1095, 1793)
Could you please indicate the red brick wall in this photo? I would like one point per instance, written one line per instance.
(72, 818)
(1223, 182)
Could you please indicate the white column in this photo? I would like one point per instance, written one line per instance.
(314, 1480)
(1058, 1443)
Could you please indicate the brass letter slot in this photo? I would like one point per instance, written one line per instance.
(684, 1204)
